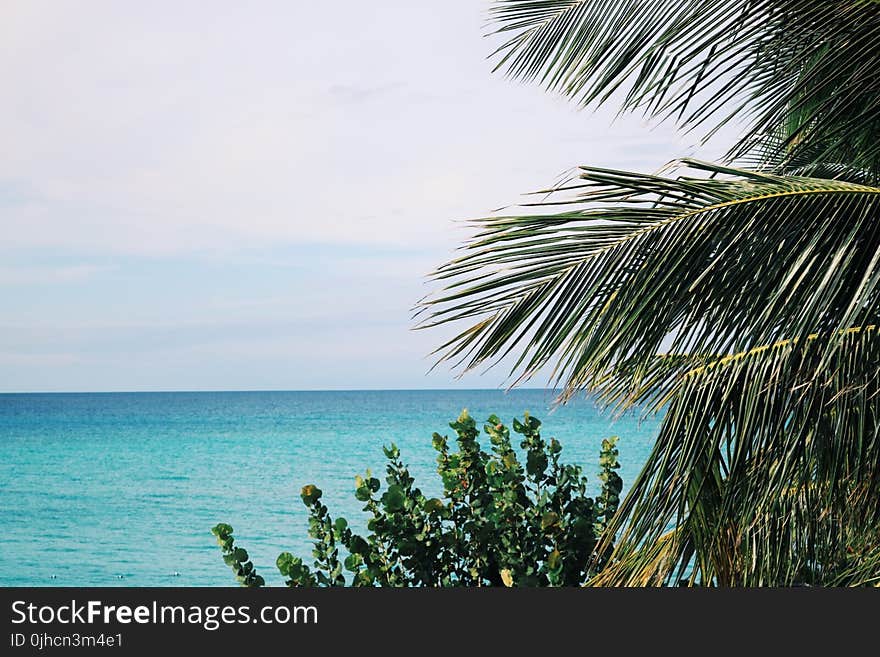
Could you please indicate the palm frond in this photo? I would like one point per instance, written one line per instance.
(766, 463)
(807, 70)
(655, 564)
(717, 261)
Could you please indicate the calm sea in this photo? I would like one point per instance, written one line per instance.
(123, 488)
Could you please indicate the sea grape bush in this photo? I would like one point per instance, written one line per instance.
(236, 557)
(500, 522)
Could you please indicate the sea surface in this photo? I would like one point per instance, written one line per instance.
(103, 489)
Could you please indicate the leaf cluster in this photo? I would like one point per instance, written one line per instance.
(509, 516)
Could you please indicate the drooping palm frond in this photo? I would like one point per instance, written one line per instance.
(653, 565)
(718, 261)
(766, 464)
(634, 286)
(812, 156)
(765, 469)
(808, 71)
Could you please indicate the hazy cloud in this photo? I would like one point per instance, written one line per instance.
(196, 145)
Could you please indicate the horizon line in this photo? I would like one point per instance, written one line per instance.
(264, 390)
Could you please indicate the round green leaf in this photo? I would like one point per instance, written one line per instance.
(394, 498)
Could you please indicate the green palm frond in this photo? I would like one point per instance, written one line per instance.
(744, 301)
(805, 72)
(766, 464)
(717, 261)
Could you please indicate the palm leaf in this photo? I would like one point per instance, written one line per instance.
(802, 72)
(655, 564)
(694, 266)
(766, 464)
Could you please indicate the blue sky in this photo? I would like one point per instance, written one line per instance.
(223, 195)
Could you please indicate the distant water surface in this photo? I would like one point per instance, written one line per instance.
(100, 489)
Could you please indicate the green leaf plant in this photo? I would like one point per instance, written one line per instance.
(502, 520)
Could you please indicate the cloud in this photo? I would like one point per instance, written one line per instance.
(347, 94)
(132, 132)
(24, 275)
(16, 359)
(188, 188)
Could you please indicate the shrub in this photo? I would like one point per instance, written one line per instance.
(499, 522)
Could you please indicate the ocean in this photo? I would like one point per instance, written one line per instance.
(105, 489)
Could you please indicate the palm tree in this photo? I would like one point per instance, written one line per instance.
(740, 298)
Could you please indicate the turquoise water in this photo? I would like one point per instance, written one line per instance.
(102, 489)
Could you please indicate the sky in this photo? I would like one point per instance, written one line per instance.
(250, 196)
